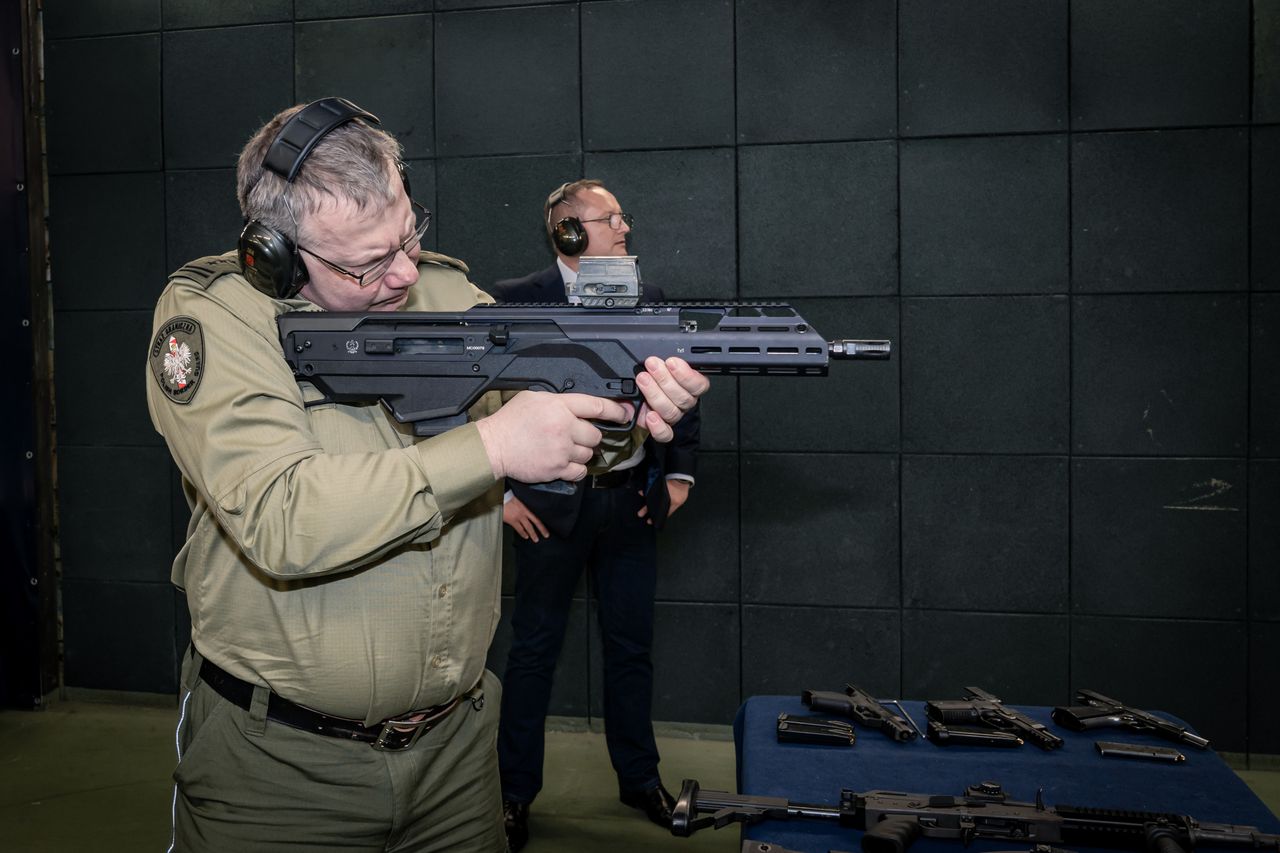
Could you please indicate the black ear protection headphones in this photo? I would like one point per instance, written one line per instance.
(567, 235)
(269, 259)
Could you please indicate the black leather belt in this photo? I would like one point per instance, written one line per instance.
(612, 479)
(393, 734)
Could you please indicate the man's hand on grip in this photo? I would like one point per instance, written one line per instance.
(537, 436)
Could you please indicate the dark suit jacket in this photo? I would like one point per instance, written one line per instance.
(559, 512)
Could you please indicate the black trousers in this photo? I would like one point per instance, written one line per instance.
(620, 554)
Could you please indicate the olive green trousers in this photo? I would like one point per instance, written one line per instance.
(246, 783)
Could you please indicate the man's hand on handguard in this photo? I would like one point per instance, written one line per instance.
(670, 388)
(538, 436)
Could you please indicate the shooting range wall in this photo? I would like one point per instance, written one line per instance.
(1063, 214)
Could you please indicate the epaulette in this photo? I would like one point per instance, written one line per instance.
(203, 271)
(442, 260)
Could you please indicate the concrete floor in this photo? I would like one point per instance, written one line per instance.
(94, 776)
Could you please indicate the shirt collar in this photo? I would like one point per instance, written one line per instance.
(570, 276)
(567, 273)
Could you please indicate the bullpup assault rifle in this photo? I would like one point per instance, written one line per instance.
(1099, 711)
(891, 821)
(428, 368)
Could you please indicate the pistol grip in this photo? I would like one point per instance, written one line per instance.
(891, 835)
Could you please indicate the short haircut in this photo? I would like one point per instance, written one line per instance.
(564, 195)
(354, 161)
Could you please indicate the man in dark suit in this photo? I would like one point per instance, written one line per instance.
(606, 523)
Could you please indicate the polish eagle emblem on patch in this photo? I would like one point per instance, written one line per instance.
(177, 363)
(177, 358)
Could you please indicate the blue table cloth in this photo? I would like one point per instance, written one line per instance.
(1202, 786)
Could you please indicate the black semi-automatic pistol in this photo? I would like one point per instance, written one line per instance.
(1100, 711)
(861, 707)
(985, 711)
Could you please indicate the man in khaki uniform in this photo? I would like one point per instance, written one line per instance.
(342, 575)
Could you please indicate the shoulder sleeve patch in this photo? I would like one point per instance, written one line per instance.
(177, 358)
(204, 271)
(442, 260)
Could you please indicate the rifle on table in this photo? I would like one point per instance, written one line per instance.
(955, 720)
(428, 368)
(891, 821)
(860, 706)
(1099, 711)
(750, 846)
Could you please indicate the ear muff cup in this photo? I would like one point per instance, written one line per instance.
(569, 237)
(269, 261)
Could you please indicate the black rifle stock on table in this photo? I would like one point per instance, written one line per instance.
(428, 368)
(891, 820)
(983, 709)
(1101, 712)
(860, 706)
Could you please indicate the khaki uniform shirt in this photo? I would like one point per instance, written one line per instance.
(331, 555)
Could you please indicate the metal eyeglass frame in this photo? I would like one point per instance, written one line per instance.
(621, 217)
(380, 268)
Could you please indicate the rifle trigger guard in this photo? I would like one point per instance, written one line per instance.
(608, 427)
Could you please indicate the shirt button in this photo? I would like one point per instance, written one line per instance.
(438, 661)
(444, 590)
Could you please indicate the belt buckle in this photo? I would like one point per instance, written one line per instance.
(400, 734)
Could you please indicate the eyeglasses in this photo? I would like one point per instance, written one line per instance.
(409, 245)
(615, 220)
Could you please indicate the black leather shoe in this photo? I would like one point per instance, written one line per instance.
(515, 820)
(656, 803)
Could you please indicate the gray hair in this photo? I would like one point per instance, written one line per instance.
(353, 162)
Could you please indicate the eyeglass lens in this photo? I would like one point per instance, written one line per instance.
(408, 247)
(615, 220)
